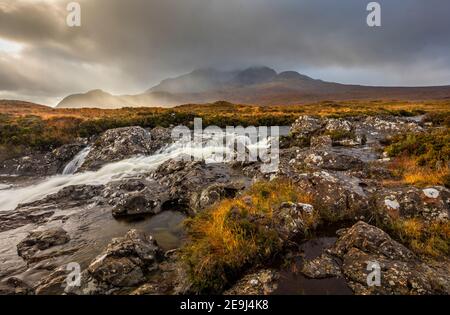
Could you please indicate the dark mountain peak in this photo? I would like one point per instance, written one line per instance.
(255, 75)
(292, 75)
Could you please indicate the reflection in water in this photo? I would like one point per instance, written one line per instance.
(293, 282)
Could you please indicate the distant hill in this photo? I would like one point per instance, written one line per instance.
(256, 85)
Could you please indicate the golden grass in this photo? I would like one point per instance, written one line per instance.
(236, 233)
(424, 238)
(409, 172)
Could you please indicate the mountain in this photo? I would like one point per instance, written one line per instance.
(256, 85)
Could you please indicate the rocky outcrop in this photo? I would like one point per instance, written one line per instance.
(364, 245)
(41, 164)
(15, 286)
(430, 204)
(122, 143)
(192, 186)
(337, 196)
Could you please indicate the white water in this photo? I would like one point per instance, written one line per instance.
(11, 198)
(76, 162)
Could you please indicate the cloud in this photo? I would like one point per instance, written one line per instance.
(127, 46)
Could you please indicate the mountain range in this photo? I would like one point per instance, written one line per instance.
(255, 85)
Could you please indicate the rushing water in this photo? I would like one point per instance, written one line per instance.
(77, 161)
(10, 198)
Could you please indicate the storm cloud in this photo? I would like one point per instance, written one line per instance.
(126, 47)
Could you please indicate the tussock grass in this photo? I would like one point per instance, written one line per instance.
(235, 234)
(422, 159)
(423, 238)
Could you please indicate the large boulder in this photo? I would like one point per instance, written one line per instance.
(294, 219)
(126, 261)
(336, 196)
(402, 272)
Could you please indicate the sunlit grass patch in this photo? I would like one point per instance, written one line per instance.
(237, 233)
(424, 238)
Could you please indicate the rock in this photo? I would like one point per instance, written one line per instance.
(15, 286)
(53, 284)
(136, 203)
(41, 240)
(321, 267)
(263, 282)
(401, 271)
(338, 125)
(10, 220)
(119, 144)
(430, 204)
(215, 193)
(126, 261)
(68, 197)
(191, 186)
(336, 196)
(37, 164)
(306, 126)
(321, 142)
(293, 219)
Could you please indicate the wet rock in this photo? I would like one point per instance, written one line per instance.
(15, 286)
(338, 125)
(321, 267)
(263, 282)
(68, 197)
(126, 261)
(215, 193)
(191, 186)
(401, 271)
(14, 219)
(136, 204)
(53, 284)
(119, 144)
(41, 240)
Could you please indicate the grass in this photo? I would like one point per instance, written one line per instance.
(411, 173)
(237, 233)
(422, 159)
(27, 127)
(423, 238)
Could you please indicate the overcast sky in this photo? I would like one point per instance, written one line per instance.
(127, 46)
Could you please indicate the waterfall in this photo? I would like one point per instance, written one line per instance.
(10, 198)
(76, 162)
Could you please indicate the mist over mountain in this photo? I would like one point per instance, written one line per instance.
(255, 85)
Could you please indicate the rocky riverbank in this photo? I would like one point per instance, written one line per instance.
(120, 214)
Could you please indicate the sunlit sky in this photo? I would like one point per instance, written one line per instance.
(125, 47)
